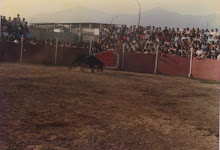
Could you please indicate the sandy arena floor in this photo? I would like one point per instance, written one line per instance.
(52, 108)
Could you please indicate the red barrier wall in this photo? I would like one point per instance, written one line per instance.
(65, 55)
(173, 65)
(136, 62)
(10, 52)
(206, 69)
(170, 65)
(115, 59)
(38, 54)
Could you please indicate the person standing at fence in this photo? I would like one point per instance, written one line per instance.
(18, 19)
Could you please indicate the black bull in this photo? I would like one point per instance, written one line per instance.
(92, 61)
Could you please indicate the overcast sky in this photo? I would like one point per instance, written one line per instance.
(32, 7)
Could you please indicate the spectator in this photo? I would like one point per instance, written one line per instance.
(144, 39)
(218, 58)
(216, 34)
(18, 19)
(12, 30)
(200, 53)
(137, 39)
(23, 22)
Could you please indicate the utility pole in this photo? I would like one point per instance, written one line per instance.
(139, 15)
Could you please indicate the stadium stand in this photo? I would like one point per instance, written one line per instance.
(12, 31)
(137, 39)
(171, 41)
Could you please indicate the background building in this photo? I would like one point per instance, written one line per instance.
(68, 31)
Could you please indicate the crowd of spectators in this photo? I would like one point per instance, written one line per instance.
(169, 41)
(140, 39)
(61, 43)
(13, 29)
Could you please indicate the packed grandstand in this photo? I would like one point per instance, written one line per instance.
(140, 39)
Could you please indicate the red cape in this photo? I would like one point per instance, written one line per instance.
(105, 57)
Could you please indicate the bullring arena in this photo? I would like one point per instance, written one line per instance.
(50, 107)
(158, 93)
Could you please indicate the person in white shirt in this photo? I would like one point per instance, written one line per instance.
(133, 48)
(183, 37)
(212, 32)
(213, 53)
(178, 31)
(166, 43)
(23, 22)
(197, 31)
(147, 35)
(210, 38)
(204, 46)
(218, 57)
(206, 32)
(216, 34)
(218, 49)
(215, 39)
(187, 31)
(176, 38)
(188, 37)
(199, 53)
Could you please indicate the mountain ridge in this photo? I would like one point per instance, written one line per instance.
(156, 16)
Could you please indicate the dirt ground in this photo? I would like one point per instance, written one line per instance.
(52, 108)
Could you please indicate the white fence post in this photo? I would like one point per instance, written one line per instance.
(156, 60)
(191, 59)
(22, 42)
(123, 56)
(90, 47)
(56, 51)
